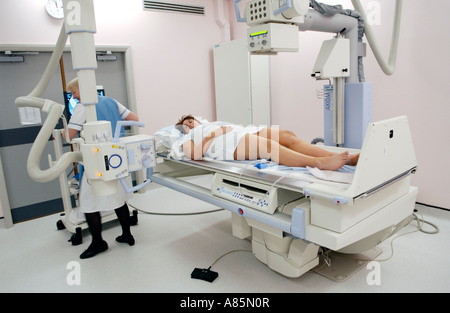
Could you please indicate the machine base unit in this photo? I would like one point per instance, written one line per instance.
(349, 251)
(287, 256)
(293, 257)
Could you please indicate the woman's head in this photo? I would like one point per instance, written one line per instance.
(186, 123)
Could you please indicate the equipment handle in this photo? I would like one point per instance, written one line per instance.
(285, 7)
(135, 188)
(238, 12)
(119, 124)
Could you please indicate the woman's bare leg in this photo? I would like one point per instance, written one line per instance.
(288, 139)
(252, 147)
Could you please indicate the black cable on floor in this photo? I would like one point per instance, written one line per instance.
(433, 206)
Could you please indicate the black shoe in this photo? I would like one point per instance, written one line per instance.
(94, 249)
(126, 239)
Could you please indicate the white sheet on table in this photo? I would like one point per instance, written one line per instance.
(335, 176)
(340, 178)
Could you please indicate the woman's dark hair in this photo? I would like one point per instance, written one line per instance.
(183, 118)
(179, 124)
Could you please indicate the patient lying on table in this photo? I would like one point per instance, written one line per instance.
(225, 141)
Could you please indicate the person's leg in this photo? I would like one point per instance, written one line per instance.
(123, 215)
(288, 139)
(252, 146)
(97, 245)
(94, 221)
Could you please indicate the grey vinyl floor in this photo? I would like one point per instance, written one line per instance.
(36, 257)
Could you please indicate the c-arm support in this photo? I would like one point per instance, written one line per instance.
(352, 96)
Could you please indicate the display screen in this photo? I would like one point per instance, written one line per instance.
(264, 32)
(70, 102)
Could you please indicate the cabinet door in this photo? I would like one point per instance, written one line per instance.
(241, 84)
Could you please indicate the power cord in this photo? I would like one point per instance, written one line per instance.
(420, 226)
(420, 223)
(177, 214)
(229, 252)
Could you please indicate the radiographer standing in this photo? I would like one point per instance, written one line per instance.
(91, 205)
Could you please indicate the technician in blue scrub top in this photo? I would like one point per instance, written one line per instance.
(91, 205)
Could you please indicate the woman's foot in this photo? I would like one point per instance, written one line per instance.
(94, 249)
(126, 239)
(352, 159)
(332, 163)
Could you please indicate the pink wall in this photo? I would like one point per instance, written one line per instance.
(172, 53)
(173, 70)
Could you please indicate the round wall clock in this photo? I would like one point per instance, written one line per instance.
(54, 8)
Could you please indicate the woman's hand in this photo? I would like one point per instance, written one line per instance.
(222, 130)
(196, 152)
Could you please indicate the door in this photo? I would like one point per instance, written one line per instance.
(27, 198)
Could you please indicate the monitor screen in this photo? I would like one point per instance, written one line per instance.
(70, 102)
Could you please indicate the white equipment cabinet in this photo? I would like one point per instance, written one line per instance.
(242, 84)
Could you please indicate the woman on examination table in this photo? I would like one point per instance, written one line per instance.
(91, 205)
(225, 141)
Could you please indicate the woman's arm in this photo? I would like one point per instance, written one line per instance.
(196, 152)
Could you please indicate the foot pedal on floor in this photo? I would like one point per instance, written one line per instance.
(204, 274)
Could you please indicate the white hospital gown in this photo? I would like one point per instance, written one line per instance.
(222, 147)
